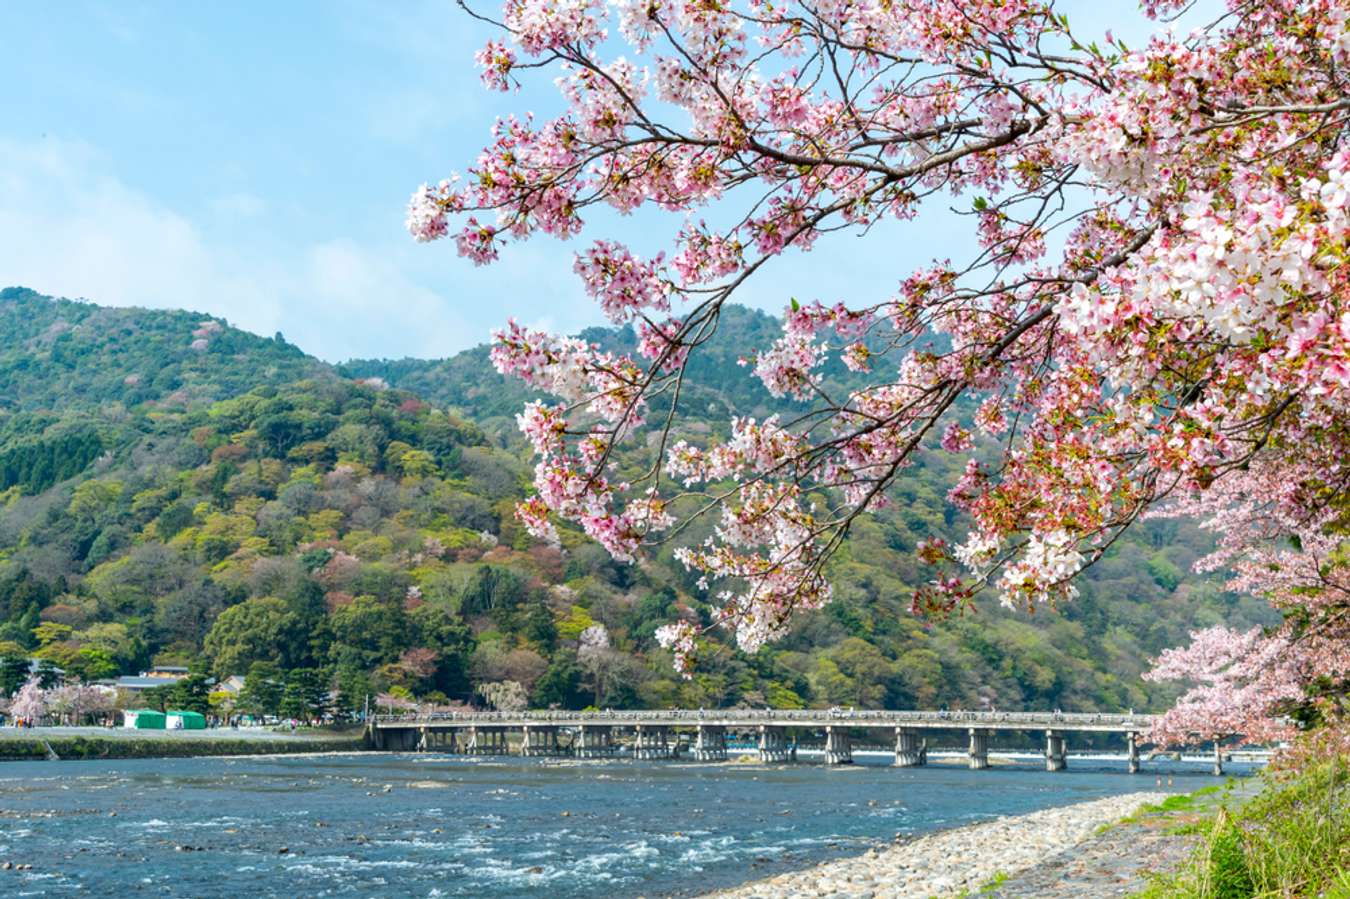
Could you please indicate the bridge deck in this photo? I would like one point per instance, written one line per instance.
(736, 718)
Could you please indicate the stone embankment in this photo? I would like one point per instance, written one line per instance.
(60, 743)
(950, 862)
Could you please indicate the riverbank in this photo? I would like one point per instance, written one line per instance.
(952, 862)
(1127, 856)
(58, 744)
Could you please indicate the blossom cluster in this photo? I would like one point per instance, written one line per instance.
(1185, 327)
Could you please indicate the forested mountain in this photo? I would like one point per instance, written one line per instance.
(179, 491)
(717, 385)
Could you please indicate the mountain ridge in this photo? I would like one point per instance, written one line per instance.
(242, 504)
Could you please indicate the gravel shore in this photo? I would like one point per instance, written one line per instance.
(952, 861)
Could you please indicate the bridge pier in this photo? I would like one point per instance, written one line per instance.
(594, 742)
(1218, 760)
(435, 739)
(1055, 757)
(838, 746)
(407, 739)
(773, 745)
(710, 744)
(651, 742)
(539, 740)
(705, 733)
(979, 749)
(486, 741)
(909, 751)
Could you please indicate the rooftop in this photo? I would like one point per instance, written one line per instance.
(141, 683)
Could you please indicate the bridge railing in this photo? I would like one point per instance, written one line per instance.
(863, 718)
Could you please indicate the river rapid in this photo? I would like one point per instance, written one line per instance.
(428, 825)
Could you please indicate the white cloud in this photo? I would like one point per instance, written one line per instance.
(69, 229)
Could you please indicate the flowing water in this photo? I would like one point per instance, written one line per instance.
(403, 825)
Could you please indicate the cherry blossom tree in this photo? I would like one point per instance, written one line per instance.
(1153, 304)
(604, 666)
(30, 703)
(1263, 684)
(395, 703)
(73, 703)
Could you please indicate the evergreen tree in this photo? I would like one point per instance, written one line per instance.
(262, 691)
(305, 695)
(13, 673)
(191, 694)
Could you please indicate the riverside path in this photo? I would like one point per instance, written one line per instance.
(666, 733)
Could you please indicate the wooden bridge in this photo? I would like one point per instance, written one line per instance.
(662, 734)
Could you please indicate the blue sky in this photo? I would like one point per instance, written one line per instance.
(252, 160)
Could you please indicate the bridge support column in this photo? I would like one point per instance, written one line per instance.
(432, 740)
(838, 746)
(710, 744)
(909, 752)
(1054, 751)
(1132, 749)
(772, 744)
(1218, 760)
(652, 742)
(486, 741)
(595, 742)
(539, 740)
(979, 748)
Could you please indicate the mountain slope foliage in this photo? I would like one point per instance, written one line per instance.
(241, 507)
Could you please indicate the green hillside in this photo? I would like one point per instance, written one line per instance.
(61, 353)
(240, 506)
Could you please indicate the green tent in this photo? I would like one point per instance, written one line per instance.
(143, 719)
(186, 720)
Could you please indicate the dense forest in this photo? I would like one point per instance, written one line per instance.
(177, 491)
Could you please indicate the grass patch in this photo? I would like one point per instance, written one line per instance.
(986, 888)
(1292, 839)
(1187, 829)
(1181, 802)
(73, 748)
(994, 883)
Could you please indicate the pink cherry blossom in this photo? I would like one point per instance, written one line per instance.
(1151, 314)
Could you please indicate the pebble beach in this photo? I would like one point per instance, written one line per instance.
(951, 862)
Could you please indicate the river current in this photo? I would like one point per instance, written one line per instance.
(428, 825)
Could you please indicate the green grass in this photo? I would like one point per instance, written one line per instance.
(1189, 828)
(993, 883)
(1290, 840)
(986, 888)
(1182, 802)
(146, 748)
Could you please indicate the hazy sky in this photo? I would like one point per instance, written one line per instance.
(252, 160)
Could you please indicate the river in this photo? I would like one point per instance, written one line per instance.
(427, 825)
